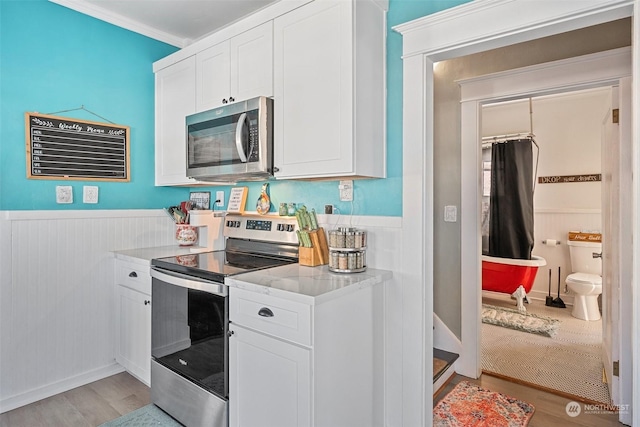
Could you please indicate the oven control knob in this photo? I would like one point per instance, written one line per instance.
(290, 227)
(237, 224)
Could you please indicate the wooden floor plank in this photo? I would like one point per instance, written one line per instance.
(87, 406)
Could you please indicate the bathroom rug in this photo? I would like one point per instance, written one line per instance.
(470, 405)
(513, 319)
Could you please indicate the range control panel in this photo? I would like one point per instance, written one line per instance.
(271, 228)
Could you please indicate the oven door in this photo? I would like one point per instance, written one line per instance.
(189, 348)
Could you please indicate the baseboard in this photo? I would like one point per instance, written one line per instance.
(52, 389)
(533, 295)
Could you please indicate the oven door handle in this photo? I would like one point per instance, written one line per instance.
(190, 282)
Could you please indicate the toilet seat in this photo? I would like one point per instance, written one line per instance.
(584, 279)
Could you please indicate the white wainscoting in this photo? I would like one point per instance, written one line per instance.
(555, 224)
(56, 293)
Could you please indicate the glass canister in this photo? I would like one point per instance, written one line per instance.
(343, 262)
(336, 239)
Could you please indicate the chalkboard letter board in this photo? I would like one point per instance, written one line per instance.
(63, 148)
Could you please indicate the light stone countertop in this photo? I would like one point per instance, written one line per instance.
(308, 285)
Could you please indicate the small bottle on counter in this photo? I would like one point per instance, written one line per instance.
(291, 209)
(343, 263)
(282, 210)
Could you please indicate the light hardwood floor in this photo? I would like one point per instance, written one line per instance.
(549, 408)
(87, 406)
(104, 400)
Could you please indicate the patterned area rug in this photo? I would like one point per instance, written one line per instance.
(147, 416)
(469, 405)
(569, 363)
(513, 319)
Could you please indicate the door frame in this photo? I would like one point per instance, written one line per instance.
(601, 69)
(449, 34)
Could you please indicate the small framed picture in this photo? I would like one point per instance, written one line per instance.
(201, 199)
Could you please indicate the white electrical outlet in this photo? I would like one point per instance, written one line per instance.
(89, 194)
(220, 198)
(346, 191)
(64, 194)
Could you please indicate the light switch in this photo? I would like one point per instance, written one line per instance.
(450, 213)
(89, 194)
(64, 194)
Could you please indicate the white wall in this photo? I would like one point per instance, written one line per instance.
(567, 127)
(56, 294)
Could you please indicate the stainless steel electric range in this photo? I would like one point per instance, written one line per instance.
(190, 315)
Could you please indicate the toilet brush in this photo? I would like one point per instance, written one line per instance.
(549, 300)
(558, 301)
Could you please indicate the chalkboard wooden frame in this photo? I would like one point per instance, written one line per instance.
(70, 149)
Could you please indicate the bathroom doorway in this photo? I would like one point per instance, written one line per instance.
(538, 81)
(566, 131)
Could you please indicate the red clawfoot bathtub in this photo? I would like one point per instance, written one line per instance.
(510, 275)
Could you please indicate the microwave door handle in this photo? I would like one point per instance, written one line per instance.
(241, 153)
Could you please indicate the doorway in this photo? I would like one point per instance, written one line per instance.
(566, 128)
(450, 34)
(543, 79)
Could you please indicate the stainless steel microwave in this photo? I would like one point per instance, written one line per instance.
(231, 143)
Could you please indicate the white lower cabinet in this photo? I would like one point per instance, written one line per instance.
(270, 381)
(133, 320)
(305, 364)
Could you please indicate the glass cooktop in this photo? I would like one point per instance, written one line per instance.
(217, 265)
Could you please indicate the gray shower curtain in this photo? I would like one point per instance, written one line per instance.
(511, 202)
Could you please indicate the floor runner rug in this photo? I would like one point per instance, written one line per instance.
(513, 319)
(469, 405)
(147, 416)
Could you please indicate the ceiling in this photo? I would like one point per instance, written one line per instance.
(176, 22)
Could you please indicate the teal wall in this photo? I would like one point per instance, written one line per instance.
(54, 59)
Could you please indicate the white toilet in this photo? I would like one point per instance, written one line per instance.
(585, 281)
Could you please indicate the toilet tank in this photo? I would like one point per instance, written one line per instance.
(582, 260)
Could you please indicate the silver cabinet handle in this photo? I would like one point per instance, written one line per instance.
(265, 312)
(133, 274)
(147, 302)
(596, 254)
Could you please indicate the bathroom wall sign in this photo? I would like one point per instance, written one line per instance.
(64, 148)
(594, 177)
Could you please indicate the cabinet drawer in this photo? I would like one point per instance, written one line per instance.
(133, 276)
(275, 316)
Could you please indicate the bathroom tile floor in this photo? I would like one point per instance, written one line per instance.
(568, 363)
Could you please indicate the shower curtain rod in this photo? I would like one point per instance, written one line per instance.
(507, 137)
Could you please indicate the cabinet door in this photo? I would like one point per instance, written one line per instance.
(175, 99)
(251, 58)
(212, 76)
(133, 332)
(269, 381)
(313, 90)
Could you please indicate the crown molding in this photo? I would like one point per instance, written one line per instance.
(122, 21)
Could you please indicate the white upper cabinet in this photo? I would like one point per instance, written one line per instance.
(329, 90)
(175, 99)
(236, 69)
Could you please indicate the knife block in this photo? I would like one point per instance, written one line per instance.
(318, 253)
